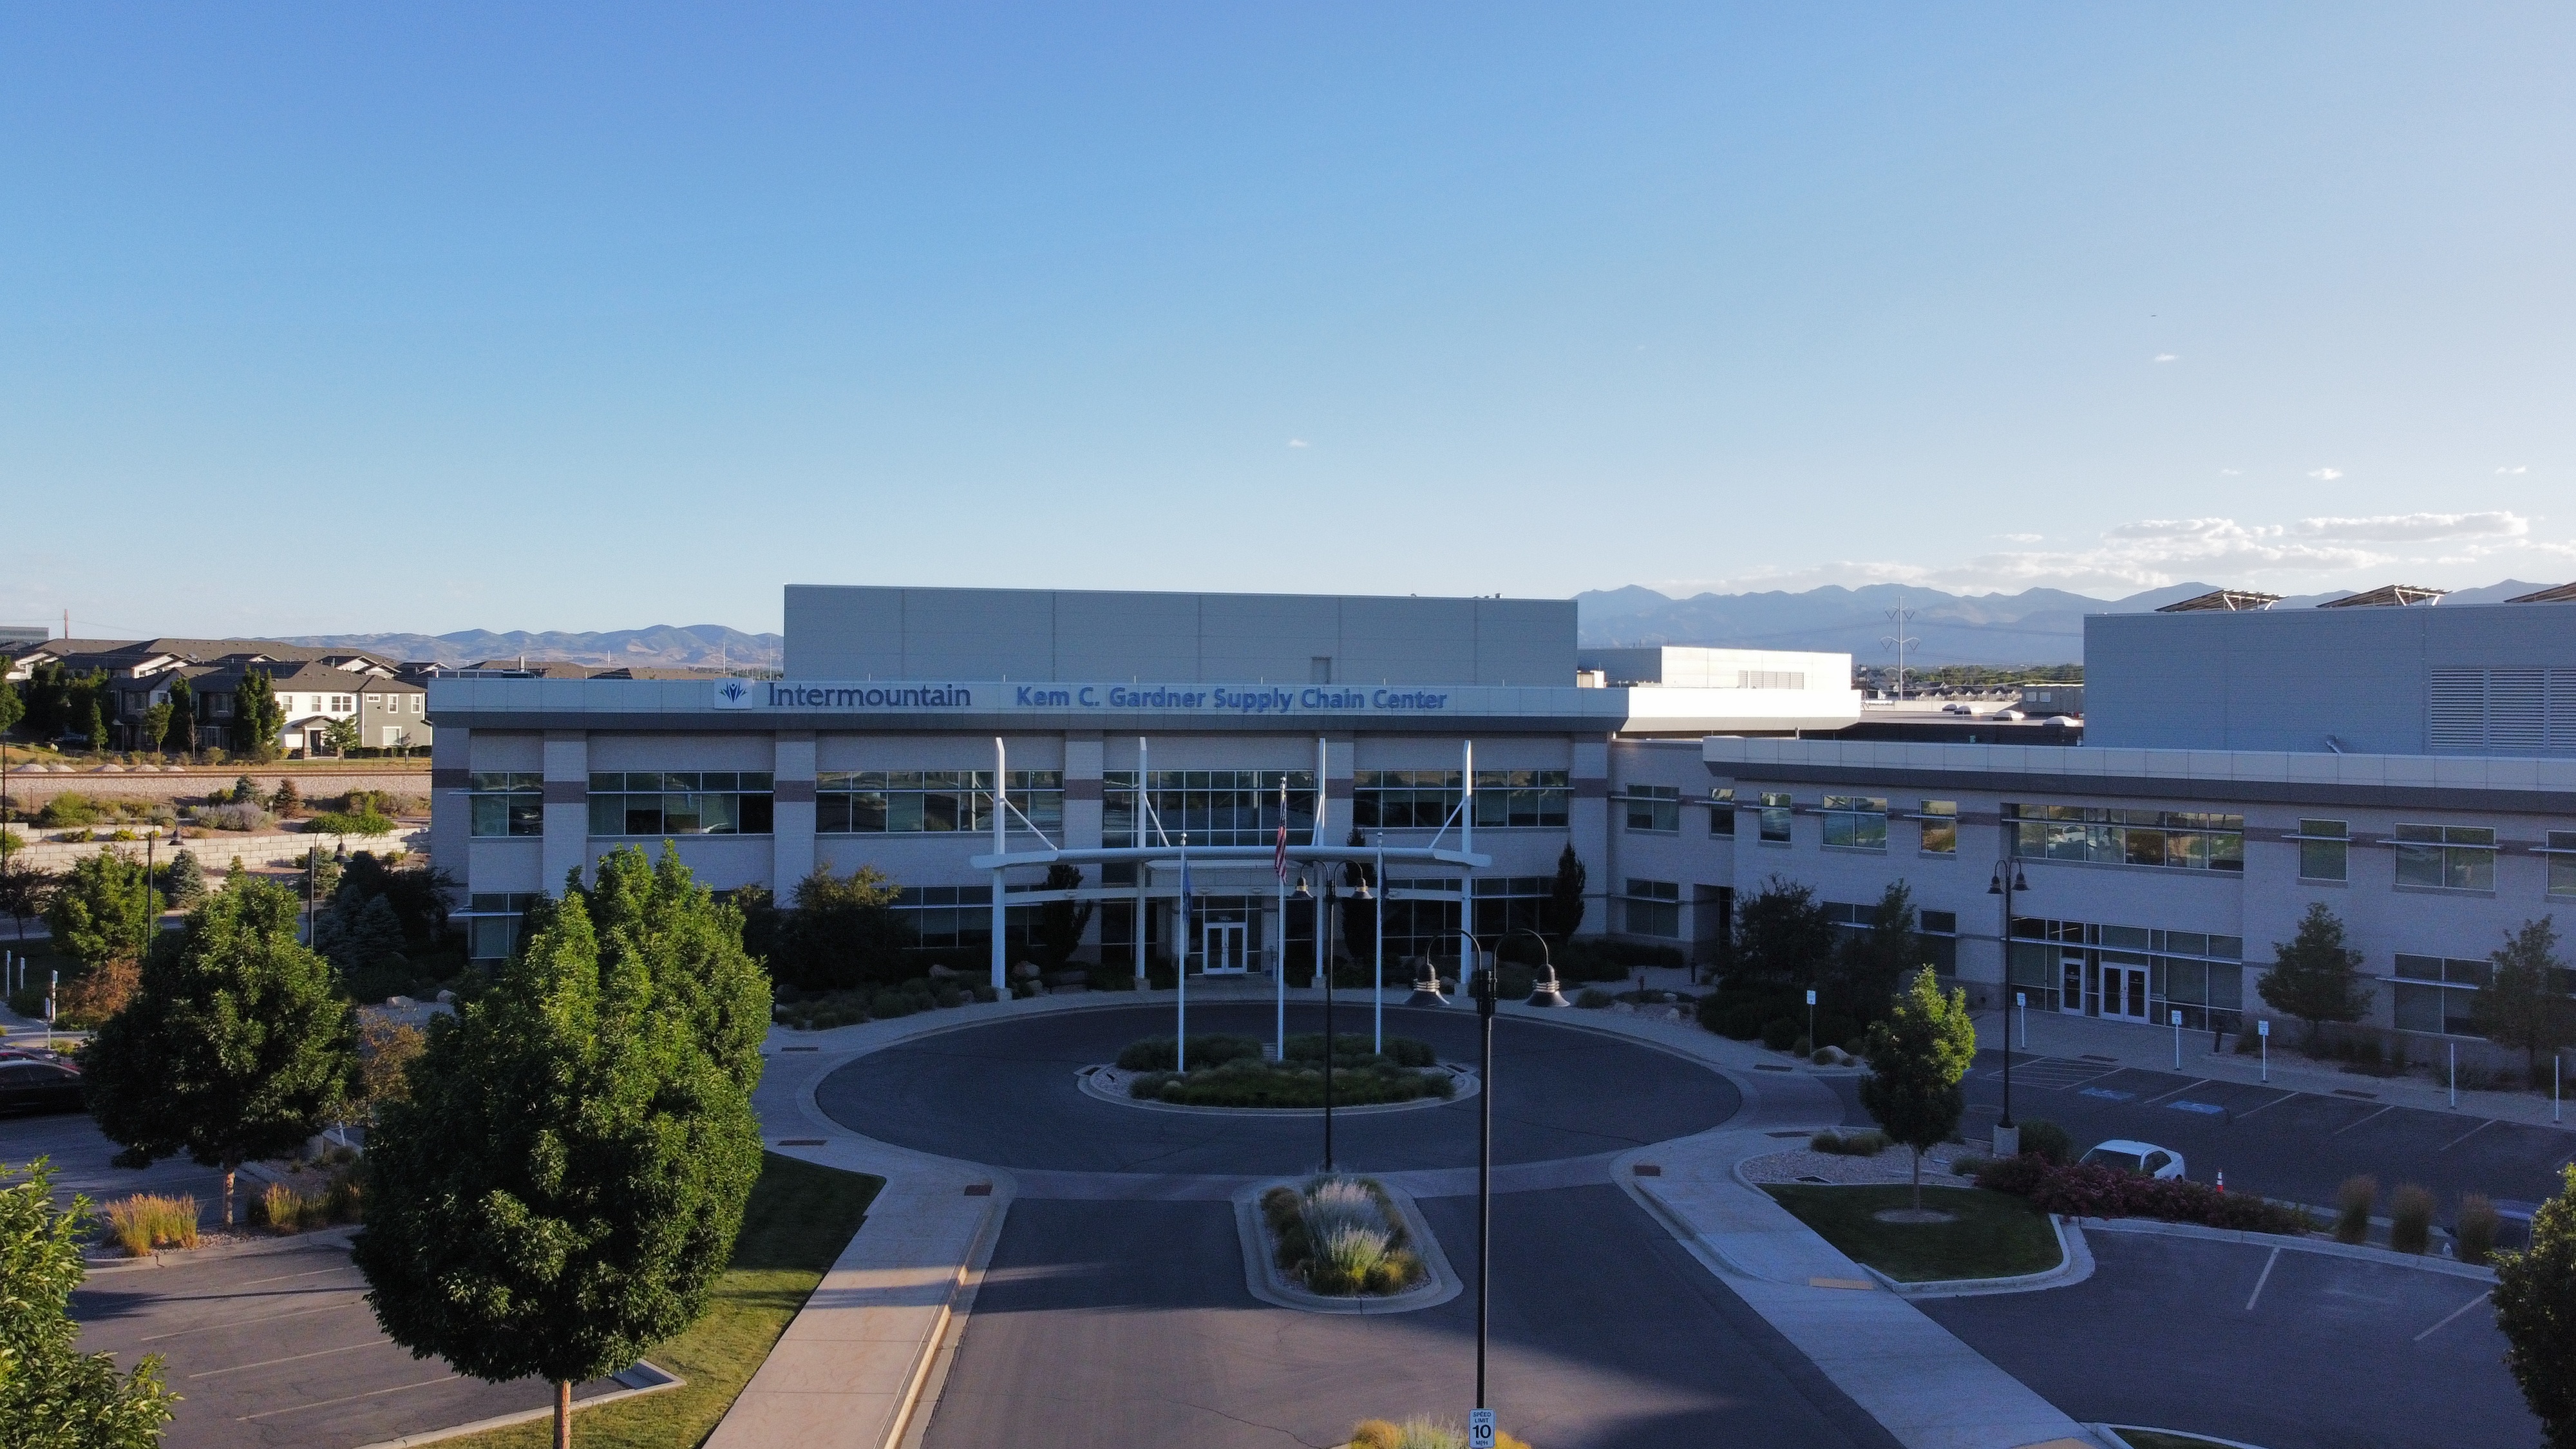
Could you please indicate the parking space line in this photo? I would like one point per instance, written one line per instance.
(2465, 1136)
(317, 1353)
(2176, 1092)
(2446, 1318)
(346, 1399)
(2265, 1278)
(2275, 1102)
(290, 1277)
(246, 1322)
(2373, 1117)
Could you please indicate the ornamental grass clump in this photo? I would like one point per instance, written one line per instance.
(1850, 1144)
(2410, 1219)
(147, 1221)
(2353, 1202)
(2477, 1228)
(1341, 1237)
(1422, 1433)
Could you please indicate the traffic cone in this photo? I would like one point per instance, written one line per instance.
(2222, 1179)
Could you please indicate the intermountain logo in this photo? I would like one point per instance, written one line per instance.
(734, 694)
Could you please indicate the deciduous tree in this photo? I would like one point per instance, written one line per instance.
(1918, 1054)
(843, 932)
(1781, 936)
(236, 1046)
(2316, 977)
(103, 910)
(2524, 1006)
(1061, 923)
(565, 1182)
(2535, 1301)
(183, 716)
(1870, 964)
(51, 1394)
(152, 731)
(13, 706)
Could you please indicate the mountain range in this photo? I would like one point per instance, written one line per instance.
(2035, 626)
(662, 646)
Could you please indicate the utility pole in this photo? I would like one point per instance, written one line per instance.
(1899, 641)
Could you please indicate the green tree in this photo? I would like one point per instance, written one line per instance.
(236, 1046)
(2316, 977)
(288, 802)
(1918, 1055)
(24, 892)
(13, 706)
(1061, 923)
(185, 880)
(103, 910)
(1562, 914)
(47, 693)
(357, 931)
(2535, 1300)
(183, 716)
(341, 735)
(152, 731)
(259, 720)
(93, 725)
(565, 1181)
(51, 1394)
(2524, 1006)
(1781, 936)
(1869, 965)
(843, 932)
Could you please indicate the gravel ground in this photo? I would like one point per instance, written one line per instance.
(1893, 1165)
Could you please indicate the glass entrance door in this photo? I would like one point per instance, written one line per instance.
(1223, 943)
(2070, 972)
(2124, 992)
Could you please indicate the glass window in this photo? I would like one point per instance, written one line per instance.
(2321, 858)
(1856, 822)
(1655, 809)
(2179, 839)
(1940, 827)
(1654, 909)
(1775, 813)
(2562, 863)
(897, 802)
(501, 804)
(1223, 807)
(2446, 857)
(670, 803)
(1518, 799)
(1721, 812)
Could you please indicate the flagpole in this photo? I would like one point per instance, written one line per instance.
(1377, 920)
(1279, 973)
(1181, 977)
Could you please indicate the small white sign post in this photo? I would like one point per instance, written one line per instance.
(2177, 1025)
(2021, 1002)
(2263, 1035)
(1811, 1020)
(1480, 1422)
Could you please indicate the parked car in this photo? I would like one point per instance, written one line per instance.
(32, 1086)
(2143, 1158)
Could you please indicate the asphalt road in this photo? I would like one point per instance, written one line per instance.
(2170, 1333)
(1123, 1325)
(2293, 1145)
(280, 1349)
(1005, 1094)
(82, 1162)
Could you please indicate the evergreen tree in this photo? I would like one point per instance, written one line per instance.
(47, 693)
(288, 802)
(1562, 915)
(236, 1046)
(1918, 1055)
(843, 932)
(51, 1394)
(259, 720)
(94, 726)
(341, 735)
(103, 910)
(183, 716)
(357, 931)
(2316, 977)
(2524, 1005)
(2535, 1300)
(1781, 936)
(185, 881)
(1061, 923)
(13, 706)
(1871, 964)
(566, 1180)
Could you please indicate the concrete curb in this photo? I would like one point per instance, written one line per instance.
(339, 1237)
(2121, 1439)
(640, 1378)
(1262, 1278)
(2421, 1262)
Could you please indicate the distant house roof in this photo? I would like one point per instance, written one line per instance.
(124, 654)
(2391, 596)
(2231, 601)
(2563, 594)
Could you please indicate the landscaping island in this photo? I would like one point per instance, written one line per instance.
(1235, 1071)
(1981, 1234)
(1341, 1237)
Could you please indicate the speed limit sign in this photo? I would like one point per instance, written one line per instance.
(1480, 1429)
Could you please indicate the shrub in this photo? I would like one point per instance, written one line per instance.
(69, 809)
(2043, 1138)
(1158, 1053)
(1853, 1144)
(2410, 1213)
(333, 822)
(1341, 1236)
(2477, 1229)
(2085, 1189)
(147, 1221)
(1420, 1433)
(1778, 1033)
(1822, 1056)
(888, 1005)
(2353, 1202)
(242, 816)
(1594, 999)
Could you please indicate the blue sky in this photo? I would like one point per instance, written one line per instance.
(332, 318)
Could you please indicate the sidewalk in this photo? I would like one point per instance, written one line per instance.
(2149, 1048)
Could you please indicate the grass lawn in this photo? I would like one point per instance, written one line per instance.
(799, 1219)
(1993, 1235)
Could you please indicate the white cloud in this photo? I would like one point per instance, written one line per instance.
(2168, 357)
(2231, 472)
(2326, 475)
(2415, 527)
(1296, 442)
(2517, 468)
(2020, 537)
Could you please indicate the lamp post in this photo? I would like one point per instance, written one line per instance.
(2008, 879)
(1488, 992)
(1546, 992)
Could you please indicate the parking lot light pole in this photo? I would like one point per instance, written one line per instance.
(2008, 879)
(1488, 990)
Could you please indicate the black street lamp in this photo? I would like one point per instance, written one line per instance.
(2008, 879)
(1484, 984)
(1545, 993)
(1324, 909)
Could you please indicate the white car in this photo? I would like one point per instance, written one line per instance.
(2144, 1158)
